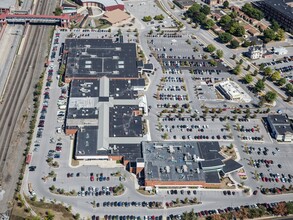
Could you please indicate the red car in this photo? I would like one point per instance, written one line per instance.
(92, 178)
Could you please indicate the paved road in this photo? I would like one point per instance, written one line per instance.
(25, 71)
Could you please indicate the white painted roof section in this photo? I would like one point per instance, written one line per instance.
(7, 3)
(105, 2)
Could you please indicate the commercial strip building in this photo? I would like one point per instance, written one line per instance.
(100, 116)
(280, 127)
(95, 58)
(106, 102)
(185, 164)
(106, 5)
(279, 10)
(232, 91)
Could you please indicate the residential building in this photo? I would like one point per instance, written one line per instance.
(256, 52)
(279, 10)
(213, 2)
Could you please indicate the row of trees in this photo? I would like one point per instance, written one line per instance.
(149, 18)
(276, 77)
(281, 209)
(271, 34)
(198, 14)
(252, 12)
(229, 24)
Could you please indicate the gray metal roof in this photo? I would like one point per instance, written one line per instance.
(231, 166)
(183, 161)
(96, 58)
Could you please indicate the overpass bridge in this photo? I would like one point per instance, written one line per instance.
(62, 20)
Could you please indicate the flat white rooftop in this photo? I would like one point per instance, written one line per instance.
(7, 3)
(105, 2)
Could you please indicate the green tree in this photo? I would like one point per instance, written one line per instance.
(49, 215)
(274, 25)
(269, 35)
(205, 9)
(209, 23)
(268, 71)
(58, 11)
(219, 53)
(200, 17)
(147, 18)
(237, 70)
(159, 17)
(270, 96)
(213, 62)
(236, 29)
(77, 216)
(225, 20)
(289, 87)
(252, 12)
(276, 76)
(225, 37)
(194, 8)
(165, 136)
(280, 35)
(225, 4)
(210, 48)
(233, 14)
(282, 81)
(234, 44)
(248, 78)
(246, 43)
(259, 86)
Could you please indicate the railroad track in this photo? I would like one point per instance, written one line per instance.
(21, 83)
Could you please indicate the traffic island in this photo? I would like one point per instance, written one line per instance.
(118, 190)
(179, 203)
(25, 208)
(60, 191)
(277, 190)
(52, 163)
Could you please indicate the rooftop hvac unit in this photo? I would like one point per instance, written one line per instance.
(167, 169)
(171, 149)
(185, 168)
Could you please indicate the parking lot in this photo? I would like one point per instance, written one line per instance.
(175, 110)
(268, 165)
(148, 8)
